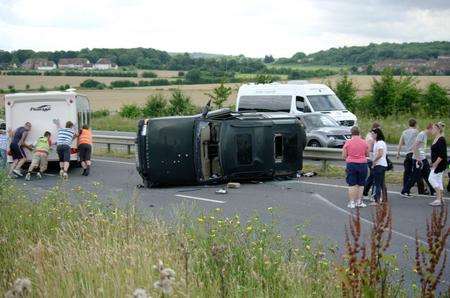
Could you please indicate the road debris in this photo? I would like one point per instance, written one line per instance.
(234, 185)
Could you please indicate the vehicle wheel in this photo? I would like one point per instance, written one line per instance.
(314, 143)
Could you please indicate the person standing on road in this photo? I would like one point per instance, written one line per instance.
(370, 140)
(3, 146)
(16, 148)
(421, 166)
(407, 139)
(355, 152)
(64, 142)
(85, 149)
(379, 164)
(438, 162)
(40, 156)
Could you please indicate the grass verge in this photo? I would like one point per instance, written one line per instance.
(114, 122)
(84, 248)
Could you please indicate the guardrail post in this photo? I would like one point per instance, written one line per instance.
(109, 147)
(129, 149)
(324, 165)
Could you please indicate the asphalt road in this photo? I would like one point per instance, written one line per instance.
(317, 203)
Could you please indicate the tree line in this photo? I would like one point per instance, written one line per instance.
(391, 95)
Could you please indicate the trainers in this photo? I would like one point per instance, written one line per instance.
(18, 172)
(436, 203)
(28, 177)
(61, 173)
(360, 204)
(84, 172)
(373, 203)
(39, 175)
(88, 169)
(65, 176)
(405, 194)
(351, 205)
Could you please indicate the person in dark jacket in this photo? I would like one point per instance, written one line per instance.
(18, 138)
(438, 162)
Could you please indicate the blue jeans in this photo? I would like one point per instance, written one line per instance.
(369, 180)
(378, 181)
(3, 159)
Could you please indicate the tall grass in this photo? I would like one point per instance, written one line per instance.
(83, 248)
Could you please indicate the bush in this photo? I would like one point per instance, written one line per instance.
(346, 91)
(156, 82)
(63, 87)
(22, 73)
(180, 104)
(100, 113)
(92, 84)
(11, 89)
(435, 101)
(266, 78)
(53, 73)
(42, 88)
(220, 95)
(194, 76)
(130, 111)
(100, 73)
(123, 84)
(155, 106)
(181, 73)
(149, 74)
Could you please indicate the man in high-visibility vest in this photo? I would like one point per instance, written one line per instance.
(40, 156)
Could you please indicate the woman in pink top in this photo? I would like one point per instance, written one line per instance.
(355, 153)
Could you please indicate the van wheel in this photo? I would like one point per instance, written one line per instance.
(314, 143)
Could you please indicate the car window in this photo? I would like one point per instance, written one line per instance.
(244, 149)
(314, 121)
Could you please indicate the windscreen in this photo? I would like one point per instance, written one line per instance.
(315, 121)
(326, 102)
(265, 103)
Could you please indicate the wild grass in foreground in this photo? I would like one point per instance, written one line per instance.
(87, 249)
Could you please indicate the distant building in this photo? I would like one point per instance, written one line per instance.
(441, 65)
(105, 63)
(39, 64)
(74, 63)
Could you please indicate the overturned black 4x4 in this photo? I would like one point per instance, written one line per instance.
(217, 147)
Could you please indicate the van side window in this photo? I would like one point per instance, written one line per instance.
(244, 149)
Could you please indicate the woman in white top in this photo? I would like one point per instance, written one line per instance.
(379, 163)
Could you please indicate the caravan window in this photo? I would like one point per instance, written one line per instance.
(265, 103)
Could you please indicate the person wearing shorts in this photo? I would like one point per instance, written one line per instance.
(355, 153)
(16, 148)
(40, 156)
(85, 149)
(64, 142)
(438, 163)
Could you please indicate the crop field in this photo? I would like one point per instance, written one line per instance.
(20, 82)
(113, 99)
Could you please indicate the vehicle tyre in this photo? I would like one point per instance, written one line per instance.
(314, 143)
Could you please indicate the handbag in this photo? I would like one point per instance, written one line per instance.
(390, 165)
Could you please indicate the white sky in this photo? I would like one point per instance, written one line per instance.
(250, 27)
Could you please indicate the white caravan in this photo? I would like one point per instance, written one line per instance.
(41, 108)
(295, 97)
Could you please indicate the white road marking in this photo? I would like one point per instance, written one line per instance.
(346, 187)
(115, 161)
(366, 220)
(200, 199)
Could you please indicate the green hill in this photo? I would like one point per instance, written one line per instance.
(360, 55)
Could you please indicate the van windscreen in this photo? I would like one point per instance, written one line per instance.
(325, 102)
(265, 103)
